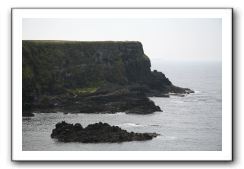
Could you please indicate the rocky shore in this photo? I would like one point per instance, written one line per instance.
(110, 101)
(96, 133)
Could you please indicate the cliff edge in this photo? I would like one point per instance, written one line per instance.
(90, 77)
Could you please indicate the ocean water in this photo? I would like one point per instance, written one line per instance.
(190, 123)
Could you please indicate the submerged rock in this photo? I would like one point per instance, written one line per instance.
(96, 133)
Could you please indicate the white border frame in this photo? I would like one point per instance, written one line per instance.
(224, 155)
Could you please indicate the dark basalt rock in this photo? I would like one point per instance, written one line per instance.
(91, 77)
(96, 133)
(121, 100)
(27, 114)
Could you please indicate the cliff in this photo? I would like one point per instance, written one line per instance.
(65, 68)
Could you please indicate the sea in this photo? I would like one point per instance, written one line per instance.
(189, 123)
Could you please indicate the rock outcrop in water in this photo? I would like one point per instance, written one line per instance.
(90, 77)
(96, 133)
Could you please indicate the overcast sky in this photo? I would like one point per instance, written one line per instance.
(167, 39)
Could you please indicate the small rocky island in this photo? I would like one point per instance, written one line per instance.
(90, 77)
(96, 133)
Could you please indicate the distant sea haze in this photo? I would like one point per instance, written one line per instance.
(190, 123)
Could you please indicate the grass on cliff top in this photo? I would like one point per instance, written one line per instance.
(74, 42)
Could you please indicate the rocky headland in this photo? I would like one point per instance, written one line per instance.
(96, 133)
(90, 77)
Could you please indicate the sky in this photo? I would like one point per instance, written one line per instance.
(183, 39)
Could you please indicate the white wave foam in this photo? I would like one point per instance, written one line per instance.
(130, 125)
(115, 114)
(120, 113)
(197, 91)
(163, 137)
(137, 125)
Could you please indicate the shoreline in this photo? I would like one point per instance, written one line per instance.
(76, 110)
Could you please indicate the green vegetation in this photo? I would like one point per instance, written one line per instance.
(82, 91)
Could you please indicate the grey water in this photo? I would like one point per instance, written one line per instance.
(190, 123)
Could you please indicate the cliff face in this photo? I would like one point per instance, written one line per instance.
(80, 64)
(55, 67)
